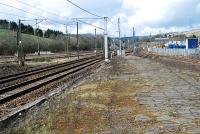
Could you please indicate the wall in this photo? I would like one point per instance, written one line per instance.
(174, 52)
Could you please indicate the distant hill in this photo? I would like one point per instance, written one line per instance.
(187, 33)
(136, 38)
(191, 32)
(30, 43)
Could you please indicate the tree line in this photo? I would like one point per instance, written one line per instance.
(54, 41)
(28, 29)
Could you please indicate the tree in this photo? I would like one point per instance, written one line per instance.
(27, 29)
(194, 36)
(4, 24)
(30, 30)
(39, 32)
(23, 28)
(13, 26)
(52, 33)
(47, 33)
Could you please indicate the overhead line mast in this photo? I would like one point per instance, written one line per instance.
(120, 42)
(105, 35)
(106, 39)
(98, 17)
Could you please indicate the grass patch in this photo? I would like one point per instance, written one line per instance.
(29, 42)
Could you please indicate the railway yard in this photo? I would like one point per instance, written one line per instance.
(142, 93)
(93, 67)
(20, 85)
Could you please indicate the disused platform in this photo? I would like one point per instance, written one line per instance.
(129, 95)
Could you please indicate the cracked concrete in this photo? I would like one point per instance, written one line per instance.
(173, 94)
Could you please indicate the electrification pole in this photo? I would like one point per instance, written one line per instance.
(19, 44)
(66, 46)
(96, 40)
(133, 40)
(106, 39)
(77, 42)
(120, 42)
(18, 47)
(36, 33)
(102, 43)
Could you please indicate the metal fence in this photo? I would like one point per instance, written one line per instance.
(174, 52)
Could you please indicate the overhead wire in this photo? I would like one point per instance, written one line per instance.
(109, 20)
(32, 25)
(27, 19)
(41, 10)
(84, 9)
(98, 17)
(31, 13)
(51, 20)
(14, 15)
(90, 24)
(24, 3)
(44, 28)
(88, 18)
(21, 10)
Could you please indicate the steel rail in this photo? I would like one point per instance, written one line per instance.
(37, 70)
(24, 83)
(55, 77)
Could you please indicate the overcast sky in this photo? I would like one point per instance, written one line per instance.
(147, 16)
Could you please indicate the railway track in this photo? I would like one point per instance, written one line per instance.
(71, 55)
(58, 72)
(10, 78)
(5, 59)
